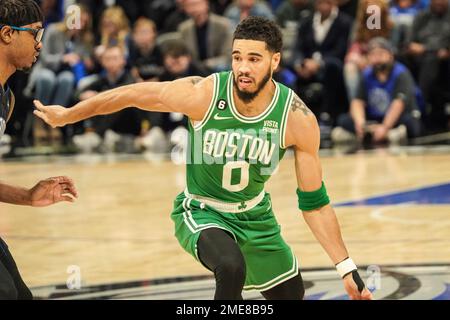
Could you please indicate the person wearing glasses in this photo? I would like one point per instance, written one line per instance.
(21, 34)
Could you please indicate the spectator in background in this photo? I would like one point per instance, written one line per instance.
(175, 18)
(219, 6)
(114, 29)
(241, 9)
(96, 8)
(65, 59)
(53, 11)
(350, 7)
(403, 13)
(155, 10)
(165, 130)
(147, 65)
(138, 8)
(274, 4)
(385, 106)
(118, 130)
(145, 56)
(291, 12)
(207, 35)
(319, 57)
(356, 59)
(289, 15)
(430, 47)
(408, 7)
(178, 63)
(133, 9)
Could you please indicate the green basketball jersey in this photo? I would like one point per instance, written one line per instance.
(231, 156)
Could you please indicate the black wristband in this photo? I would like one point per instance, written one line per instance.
(358, 280)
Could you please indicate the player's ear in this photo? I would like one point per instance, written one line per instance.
(6, 34)
(276, 58)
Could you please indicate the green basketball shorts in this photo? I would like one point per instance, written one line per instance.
(269, 260)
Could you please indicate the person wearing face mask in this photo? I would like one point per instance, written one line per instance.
(385, 107)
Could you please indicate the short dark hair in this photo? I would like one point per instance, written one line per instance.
(19, 12)
(260, 29)
(176, 49)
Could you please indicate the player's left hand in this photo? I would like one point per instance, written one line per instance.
(52, 190)
(52, 115)
(355, 287)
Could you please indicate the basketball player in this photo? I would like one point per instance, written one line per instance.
(20, 42)
(241, 123)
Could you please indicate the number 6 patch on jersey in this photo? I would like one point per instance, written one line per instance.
(221, 104)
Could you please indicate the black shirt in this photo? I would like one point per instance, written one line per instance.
(140, 60)
(202, 41)
(6, 107)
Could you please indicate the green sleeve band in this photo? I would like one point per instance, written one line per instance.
(308, 201)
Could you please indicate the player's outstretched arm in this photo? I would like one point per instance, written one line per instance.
(190, 96)
(44, 193)
(304, 135)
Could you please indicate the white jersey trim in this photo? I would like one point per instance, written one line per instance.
(284, 120)
(254, 119)
(199, 124)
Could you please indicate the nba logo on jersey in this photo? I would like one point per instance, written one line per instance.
(2, 126)
(221, 104)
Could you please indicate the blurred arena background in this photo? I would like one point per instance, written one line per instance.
(392, 197)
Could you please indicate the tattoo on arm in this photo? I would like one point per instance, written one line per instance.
(195, 80)
(298, 104)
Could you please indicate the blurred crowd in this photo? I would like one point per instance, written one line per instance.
(374, 69)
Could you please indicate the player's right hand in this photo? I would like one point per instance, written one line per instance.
(53, 190)
(55, 115)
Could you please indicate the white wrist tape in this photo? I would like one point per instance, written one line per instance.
(346, 267)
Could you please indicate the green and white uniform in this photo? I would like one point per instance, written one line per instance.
(230, 157)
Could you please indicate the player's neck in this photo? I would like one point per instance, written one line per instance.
(6, 70)
(259, 104)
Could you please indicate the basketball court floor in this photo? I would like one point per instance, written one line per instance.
(117, 242)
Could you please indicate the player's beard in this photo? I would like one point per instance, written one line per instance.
(26, 69)
(248, 97)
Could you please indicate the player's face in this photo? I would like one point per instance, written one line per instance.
(253, 66)
(23, 45)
